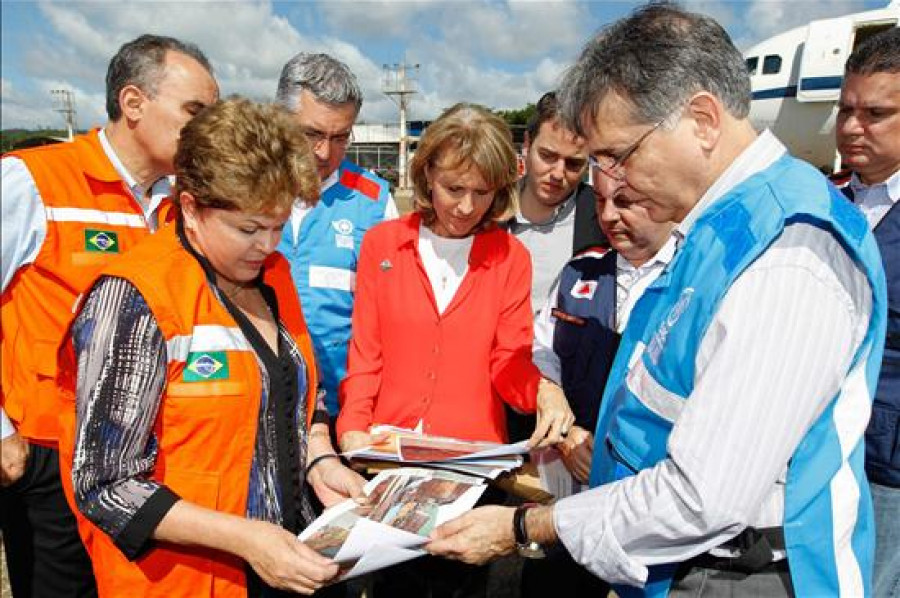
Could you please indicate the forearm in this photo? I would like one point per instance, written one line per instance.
(117, 401)
(188, 524)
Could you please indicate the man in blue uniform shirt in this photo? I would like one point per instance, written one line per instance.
(322, 243)
(729, 451)
(868, 137)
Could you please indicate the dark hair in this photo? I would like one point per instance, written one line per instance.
(240, 155)
(656, 59)
(328, 79)
(141, 63)
(547, 109)
(878, 54)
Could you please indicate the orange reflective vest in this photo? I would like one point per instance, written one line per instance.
(207, 420)
(92, 217)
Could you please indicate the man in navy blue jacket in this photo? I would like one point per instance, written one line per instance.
(868, 138)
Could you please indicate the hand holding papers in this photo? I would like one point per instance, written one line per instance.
(404, 506)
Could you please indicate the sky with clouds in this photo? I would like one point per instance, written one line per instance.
(503, 54)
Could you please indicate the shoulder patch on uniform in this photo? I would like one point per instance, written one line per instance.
(566, 317)
(584, 289)
(358, 181)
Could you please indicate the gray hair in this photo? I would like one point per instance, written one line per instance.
(656, 59)
(878, 54)
(141, 62)
(328, 79)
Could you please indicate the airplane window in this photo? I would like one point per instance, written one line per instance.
(771, 64)
(752, 64)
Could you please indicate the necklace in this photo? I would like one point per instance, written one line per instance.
(237, 290)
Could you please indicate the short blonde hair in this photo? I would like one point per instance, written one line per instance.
(241, 155)
(465, 136)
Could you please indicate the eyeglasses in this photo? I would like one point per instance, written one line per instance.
(614, 167)
(316, 138)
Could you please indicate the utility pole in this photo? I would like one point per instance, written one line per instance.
(399, 84)
(64, 102)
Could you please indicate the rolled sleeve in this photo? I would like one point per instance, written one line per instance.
(22, 217)
(545, 358)
(121, 374)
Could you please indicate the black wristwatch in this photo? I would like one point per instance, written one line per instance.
(526, 548)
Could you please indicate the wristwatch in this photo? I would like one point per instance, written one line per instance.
(524, 546)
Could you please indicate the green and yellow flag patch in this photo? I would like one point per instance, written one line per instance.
(101, 241)
(206, 365)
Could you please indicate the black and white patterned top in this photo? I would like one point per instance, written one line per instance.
(121, 375)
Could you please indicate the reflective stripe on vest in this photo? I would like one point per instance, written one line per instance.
(91, 219)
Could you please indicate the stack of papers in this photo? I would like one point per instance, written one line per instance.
(482, 459)
(404, 506)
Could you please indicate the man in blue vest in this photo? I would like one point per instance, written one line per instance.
(868, 138)
(729, 451)
(322, 242)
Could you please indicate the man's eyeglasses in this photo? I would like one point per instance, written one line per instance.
(317, 138)
(614, 167)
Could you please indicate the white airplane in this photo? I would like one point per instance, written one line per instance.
(796, 80)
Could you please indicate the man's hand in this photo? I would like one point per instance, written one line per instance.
(554, 416)
(13, 458)
(476, 537)
(577, 451)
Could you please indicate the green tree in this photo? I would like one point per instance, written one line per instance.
(520, 116)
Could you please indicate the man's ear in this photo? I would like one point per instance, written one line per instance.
(707, 112)
(132, 102)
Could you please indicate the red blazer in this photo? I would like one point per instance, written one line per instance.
(451, 370)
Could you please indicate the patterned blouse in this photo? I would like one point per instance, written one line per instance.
(121, 375)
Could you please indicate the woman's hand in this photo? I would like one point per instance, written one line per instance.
(352, 441)
(333, 482)
(577, 451)
(283, 561)
(554, 416)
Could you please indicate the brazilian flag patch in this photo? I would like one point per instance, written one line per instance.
(206, 365)
(101, 241)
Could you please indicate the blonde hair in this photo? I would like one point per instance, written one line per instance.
(241, 155)
(466, 136)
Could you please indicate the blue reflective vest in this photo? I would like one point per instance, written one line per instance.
(585, 337)
(883, 434)
(828, 523)
(323, 265)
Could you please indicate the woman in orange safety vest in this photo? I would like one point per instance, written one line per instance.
(197, 419)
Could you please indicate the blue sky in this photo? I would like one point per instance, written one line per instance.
(500, 53)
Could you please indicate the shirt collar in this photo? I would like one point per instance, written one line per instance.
(117, 163)
(662, 257)
(891, 185)
(558, 213)
(331, 179)
(765, 150)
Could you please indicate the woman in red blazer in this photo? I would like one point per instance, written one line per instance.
(442, 323)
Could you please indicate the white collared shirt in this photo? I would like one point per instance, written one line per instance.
(875, 200)
(766, 367)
